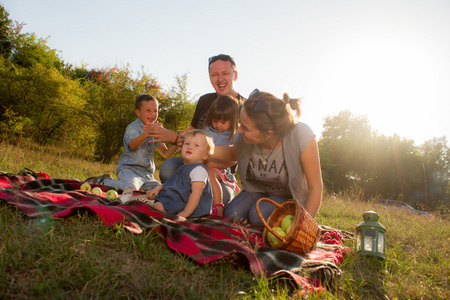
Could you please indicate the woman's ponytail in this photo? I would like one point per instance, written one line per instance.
(293, 103)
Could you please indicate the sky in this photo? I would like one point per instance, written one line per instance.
(388, 60)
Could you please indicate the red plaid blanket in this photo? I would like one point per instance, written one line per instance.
(203, 239)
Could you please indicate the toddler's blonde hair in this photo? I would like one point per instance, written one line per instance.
(209, 142)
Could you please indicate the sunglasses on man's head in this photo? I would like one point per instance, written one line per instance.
(260, 105)
(223, 57)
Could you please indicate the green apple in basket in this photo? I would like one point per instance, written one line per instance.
(273, 240)
(286, 222)
(288, 230)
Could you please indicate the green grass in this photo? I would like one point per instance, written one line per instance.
(77, 257)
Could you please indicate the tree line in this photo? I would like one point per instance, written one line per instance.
(353, 156)
(49, 101)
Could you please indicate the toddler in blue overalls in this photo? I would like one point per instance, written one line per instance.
(187, 193)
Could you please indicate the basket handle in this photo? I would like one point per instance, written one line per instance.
(264, 221)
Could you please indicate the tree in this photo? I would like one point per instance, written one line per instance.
(435, 154)
(342, 147)
(5, 37)
(33, 87)
(178, 115)
(28, 50)
(393, 168)
(354, 156)
(24, 49)
(44, 96)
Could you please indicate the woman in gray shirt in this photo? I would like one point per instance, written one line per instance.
(277, 158)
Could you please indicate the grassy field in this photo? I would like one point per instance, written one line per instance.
(79, 258)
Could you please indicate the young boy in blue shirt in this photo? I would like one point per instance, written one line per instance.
(136, 165)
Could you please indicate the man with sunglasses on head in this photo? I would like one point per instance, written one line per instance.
(222, 74)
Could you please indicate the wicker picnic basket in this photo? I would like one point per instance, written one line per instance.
(305, 231)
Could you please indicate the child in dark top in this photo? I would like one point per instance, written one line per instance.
(221, 124)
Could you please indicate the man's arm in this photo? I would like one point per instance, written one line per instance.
(166, 152)
(162, 135)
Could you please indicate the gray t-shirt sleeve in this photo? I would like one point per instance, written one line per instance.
(297, 139)
(303, 134)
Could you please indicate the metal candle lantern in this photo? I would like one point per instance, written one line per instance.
(370, 236)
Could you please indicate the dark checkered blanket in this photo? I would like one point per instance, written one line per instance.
(203, 239)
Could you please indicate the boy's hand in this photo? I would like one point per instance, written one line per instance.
(149, 127)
